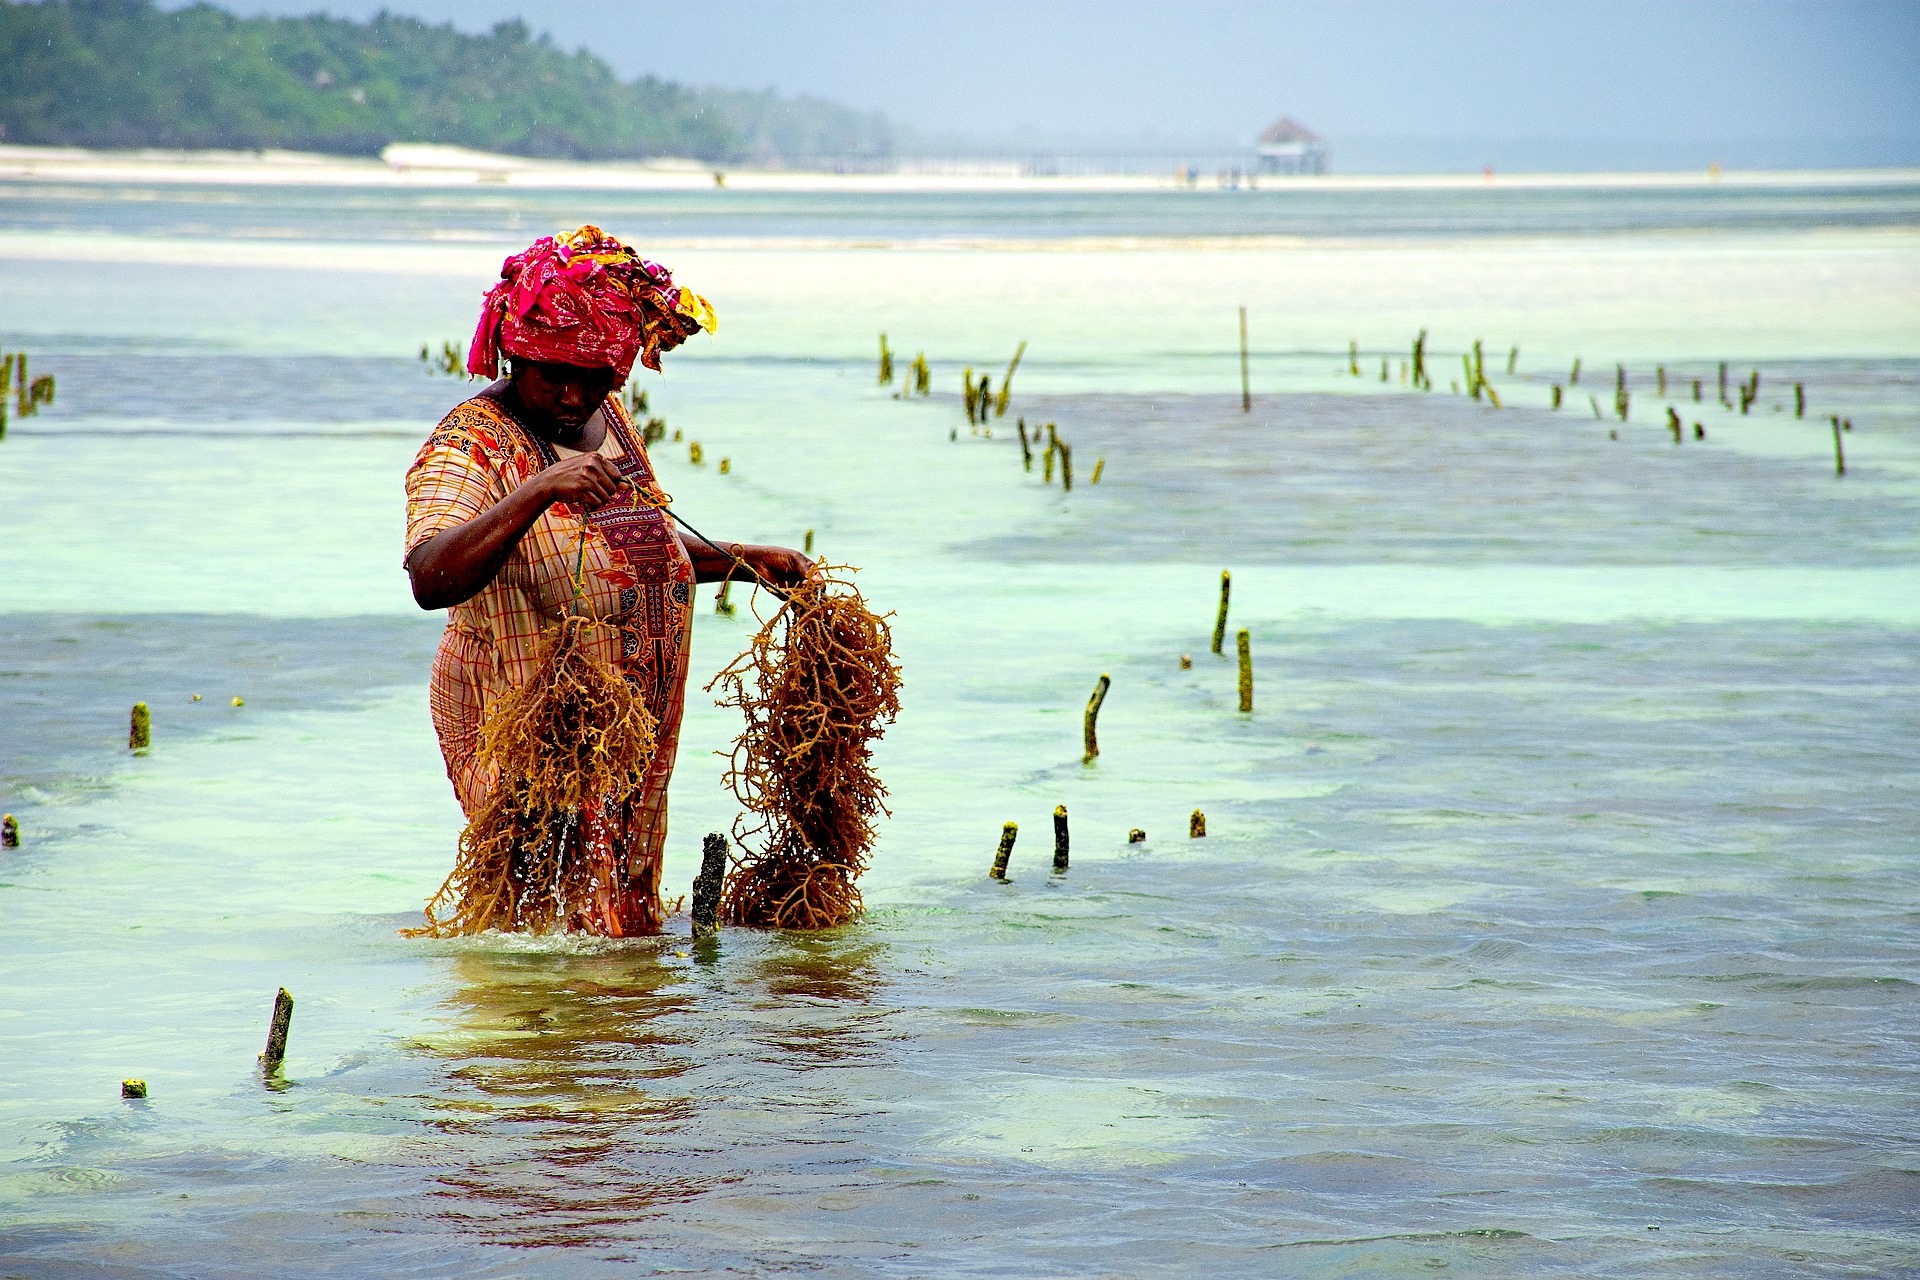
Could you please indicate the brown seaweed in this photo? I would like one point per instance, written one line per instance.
(817, 684)
(573, 741)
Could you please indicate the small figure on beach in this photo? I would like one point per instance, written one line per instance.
(534, 504)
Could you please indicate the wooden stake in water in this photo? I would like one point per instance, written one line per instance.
(1799, 400)
(1099, 466)
(1723, 385)
(1573, 379)
(886, 363)
(1026, 449)
(708, 884)
(1512, 357)
(1660, 372)
(1245, 644)
(1066, 467)
(1246, 388)
(1008, 834)
(1383, 368)
(1673, 423)
(276, 1050)
(1696, 391)
(1220, 619)
(1197, 826)
(808, 549)
(1595, 402)
(1353, 357)
(1006, 383)
(1473, 383)
(1059, 838)
(1092, 739)
(140, 728)
(1556, 395)
(1420, 378)
(1839, 454)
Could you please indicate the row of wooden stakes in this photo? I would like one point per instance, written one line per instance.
(271, 1059)
(1090, 736)
(1009, 832)
(27, 394)
(1414, 372)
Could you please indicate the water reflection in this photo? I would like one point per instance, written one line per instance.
(589, 1090)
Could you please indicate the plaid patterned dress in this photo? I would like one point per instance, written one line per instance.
(638, 578)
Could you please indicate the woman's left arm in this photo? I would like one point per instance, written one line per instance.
(779, 566)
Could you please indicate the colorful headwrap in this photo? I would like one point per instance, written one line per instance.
(584, 299)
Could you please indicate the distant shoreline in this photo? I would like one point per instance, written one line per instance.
(431, 167)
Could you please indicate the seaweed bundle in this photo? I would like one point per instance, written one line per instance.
(817, 685)
(570, 744)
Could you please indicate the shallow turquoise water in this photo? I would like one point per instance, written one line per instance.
(1556, 917)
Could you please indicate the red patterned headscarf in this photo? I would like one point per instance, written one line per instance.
(584, 299)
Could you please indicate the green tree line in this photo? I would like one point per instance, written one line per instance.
(125, 73)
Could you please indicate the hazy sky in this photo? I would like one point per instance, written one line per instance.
(1744, 81)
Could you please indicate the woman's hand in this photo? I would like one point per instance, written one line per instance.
(776, 566)
(586, 480)
(779, 566)
(456, 564)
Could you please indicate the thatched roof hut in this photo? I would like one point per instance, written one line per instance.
(1287, 146)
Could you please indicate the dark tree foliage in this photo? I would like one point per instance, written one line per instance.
(124, 73)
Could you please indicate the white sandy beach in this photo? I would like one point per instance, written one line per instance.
(411, 165)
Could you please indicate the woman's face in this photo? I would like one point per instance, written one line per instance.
(562, 397)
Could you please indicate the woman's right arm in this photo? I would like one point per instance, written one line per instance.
(456, 564)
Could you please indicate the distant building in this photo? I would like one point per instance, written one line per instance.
(1290, 147)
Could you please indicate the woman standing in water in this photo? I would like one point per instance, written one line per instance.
(535, 477)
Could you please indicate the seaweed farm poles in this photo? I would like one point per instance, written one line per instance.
(1420, 380)
(1839, 453)
(1090, 724)
(139, 728)
(1245, 644)
(277, 1026)
(1006, 383)
(1059, 839)
(1008, 834)
(1246, 388)
(1220, 619)
(707, 885)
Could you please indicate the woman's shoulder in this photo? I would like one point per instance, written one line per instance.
(477, 423)
(478, 431)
